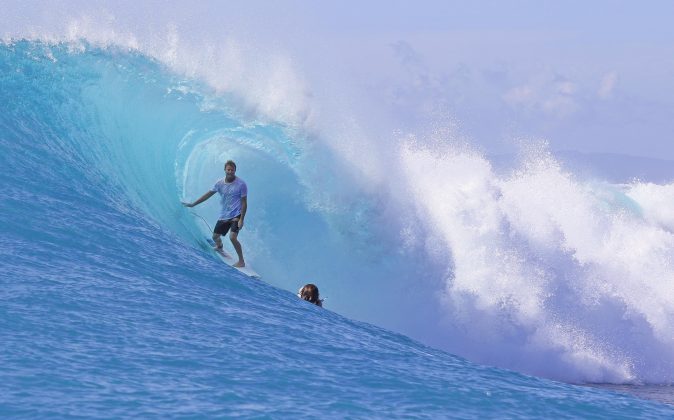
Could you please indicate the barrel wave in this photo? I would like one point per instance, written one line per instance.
(113, 305)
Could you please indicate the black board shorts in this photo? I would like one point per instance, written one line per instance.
(223, 226)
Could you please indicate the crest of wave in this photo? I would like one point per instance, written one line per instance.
(264, 81)
(549, 274)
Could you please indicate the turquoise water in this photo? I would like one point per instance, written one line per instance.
(112, 306)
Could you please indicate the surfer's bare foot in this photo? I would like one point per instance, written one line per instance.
(239, 264)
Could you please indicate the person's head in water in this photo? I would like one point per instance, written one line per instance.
(230, 171)
(309, 292)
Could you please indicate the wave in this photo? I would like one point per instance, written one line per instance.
(531, 268)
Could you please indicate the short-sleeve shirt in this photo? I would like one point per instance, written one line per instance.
(231, 194)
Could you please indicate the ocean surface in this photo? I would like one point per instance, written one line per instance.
(112, 305)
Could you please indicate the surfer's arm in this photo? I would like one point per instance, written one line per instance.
(244, 207)
(200, 200)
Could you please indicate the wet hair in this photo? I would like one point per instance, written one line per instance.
(230, 163)
(310, 293)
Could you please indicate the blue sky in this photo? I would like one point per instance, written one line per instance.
(588, 76)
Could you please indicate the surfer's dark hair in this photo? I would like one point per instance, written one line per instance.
(310, 293)
(230, 163)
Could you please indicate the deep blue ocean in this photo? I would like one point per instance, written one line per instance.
(112, 305)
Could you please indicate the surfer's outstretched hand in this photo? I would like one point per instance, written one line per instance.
(187, 204)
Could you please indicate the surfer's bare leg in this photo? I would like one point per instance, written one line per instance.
(237, 246)
(217, 240)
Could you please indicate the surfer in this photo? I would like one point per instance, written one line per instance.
(309, 292)
(233, 199)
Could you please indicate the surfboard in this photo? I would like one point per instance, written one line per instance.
(230, 260)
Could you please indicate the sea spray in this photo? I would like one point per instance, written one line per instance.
(551, 274)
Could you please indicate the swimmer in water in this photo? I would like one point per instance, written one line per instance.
(309, 292)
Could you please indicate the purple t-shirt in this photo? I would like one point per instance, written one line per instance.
(230, 197)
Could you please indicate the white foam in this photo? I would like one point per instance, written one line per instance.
(546, 264)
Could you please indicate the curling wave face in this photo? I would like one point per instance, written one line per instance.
(534, 270)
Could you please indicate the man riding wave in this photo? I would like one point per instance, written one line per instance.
(234, 203)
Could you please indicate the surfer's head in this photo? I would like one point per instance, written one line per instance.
(230, 170)
(309, 292)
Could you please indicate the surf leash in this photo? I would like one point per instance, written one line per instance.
(203, 220)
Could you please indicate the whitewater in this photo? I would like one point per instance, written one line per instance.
(506, 279)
